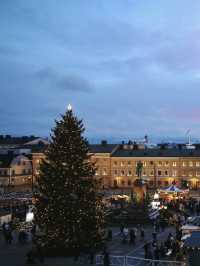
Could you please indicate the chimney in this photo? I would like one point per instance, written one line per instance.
(104, 142)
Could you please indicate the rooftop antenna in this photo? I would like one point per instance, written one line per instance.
(189, 136)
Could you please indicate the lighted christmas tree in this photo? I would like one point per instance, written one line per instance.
(69, 210)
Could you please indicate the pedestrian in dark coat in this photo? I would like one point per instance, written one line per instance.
(106, 258)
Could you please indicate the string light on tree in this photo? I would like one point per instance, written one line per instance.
(70, 209)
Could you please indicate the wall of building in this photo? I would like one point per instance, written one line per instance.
(159, 171)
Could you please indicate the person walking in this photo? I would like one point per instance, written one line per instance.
(132, 237)
(142, 233)
(106, 258)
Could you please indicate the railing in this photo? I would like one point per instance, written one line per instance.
(136, 261)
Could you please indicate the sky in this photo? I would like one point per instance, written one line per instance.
(128, 67)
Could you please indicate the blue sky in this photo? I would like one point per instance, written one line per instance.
(128, 67)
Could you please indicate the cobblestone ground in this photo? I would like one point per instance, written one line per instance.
(117, 248)
(15, 254)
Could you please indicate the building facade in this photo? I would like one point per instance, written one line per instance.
(116, 166)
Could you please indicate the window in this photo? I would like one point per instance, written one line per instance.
(184, 173)
(19, 163)
(174, 173)
(96, 173)
(197, 173)
(129, 173)
(166, 163)
(13, 172)
(144, 173)
(115, 162)
(5, 172)
(115, 183)
(29, 171)
(160, 163)
(166, 173)
(144, 164)
(129, 182)
(122, 163)
(151, 162)
(184, 164)
(122, 182)
(24, 171)
(115, 172)
(197, 164)
(151, 173)
(129, 162)
(122, 172)
(159, 172)
(174, 164)
(190, 164)
(104, 171)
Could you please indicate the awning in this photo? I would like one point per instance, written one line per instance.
(173, 189)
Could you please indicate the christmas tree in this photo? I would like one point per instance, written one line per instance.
(69, 209)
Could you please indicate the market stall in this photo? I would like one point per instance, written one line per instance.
(173, 193)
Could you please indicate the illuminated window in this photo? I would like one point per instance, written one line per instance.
(174, 164)
(197, 173)
(104, 171)
(184, 164)
(144, 164)
(122, 163)
(197, 164)
(129, 173)
(190, 164)
(174, 173)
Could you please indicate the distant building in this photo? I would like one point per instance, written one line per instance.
(162, 165)
(116, 164)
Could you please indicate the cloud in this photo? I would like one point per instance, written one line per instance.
(66, 82)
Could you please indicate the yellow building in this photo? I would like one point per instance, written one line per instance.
(116, 165)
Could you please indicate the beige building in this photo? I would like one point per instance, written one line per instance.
(116, 165)
(15, 170)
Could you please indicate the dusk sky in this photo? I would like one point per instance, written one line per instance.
(128, 67)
